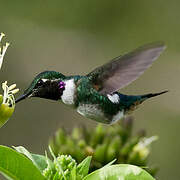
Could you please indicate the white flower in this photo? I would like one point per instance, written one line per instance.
(2, 49)
(8, 97)
(7, 101)
(143, 146)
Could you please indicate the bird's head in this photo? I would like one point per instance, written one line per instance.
(47, 84)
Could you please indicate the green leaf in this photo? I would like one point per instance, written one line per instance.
(83, 167)
(38, 160)
(14, 165)
(110, 163)
(73, 174)
(121, 171)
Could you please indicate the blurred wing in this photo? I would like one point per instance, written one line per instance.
(122, 70)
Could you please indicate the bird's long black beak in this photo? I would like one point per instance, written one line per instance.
(24, 96)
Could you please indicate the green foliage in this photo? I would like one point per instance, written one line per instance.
(16, 166)
(122, 171)
(105, 143)
(83, 167)
(64, 167)
(38, 160)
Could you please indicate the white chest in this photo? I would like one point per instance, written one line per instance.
(69, 92)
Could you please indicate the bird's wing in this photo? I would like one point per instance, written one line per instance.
(122, 70)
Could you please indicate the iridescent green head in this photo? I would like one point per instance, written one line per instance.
(47, 84)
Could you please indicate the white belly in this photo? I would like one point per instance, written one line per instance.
(117, 117)
(92, 111)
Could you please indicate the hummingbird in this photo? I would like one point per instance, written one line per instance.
(95, 95)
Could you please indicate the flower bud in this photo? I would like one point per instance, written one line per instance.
(5, 113)
(141, 150)
(99, 153)
(113, 149)
(7, 102)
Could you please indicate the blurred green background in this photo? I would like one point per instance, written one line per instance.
(73, 37)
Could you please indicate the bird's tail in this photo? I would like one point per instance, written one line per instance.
(130, 103)
(150, 95)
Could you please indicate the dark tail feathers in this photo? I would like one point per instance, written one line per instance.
(147, 96)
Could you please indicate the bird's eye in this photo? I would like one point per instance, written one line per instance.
(40, 82)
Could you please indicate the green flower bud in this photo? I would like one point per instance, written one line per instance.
(60, 137)
(82, 143)
(113, 149)
(97, 136)
(76, 134)
(66, 163)
(5, 113)
(50, 170)
(104, 143)
(48, 173)
(99, 153)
